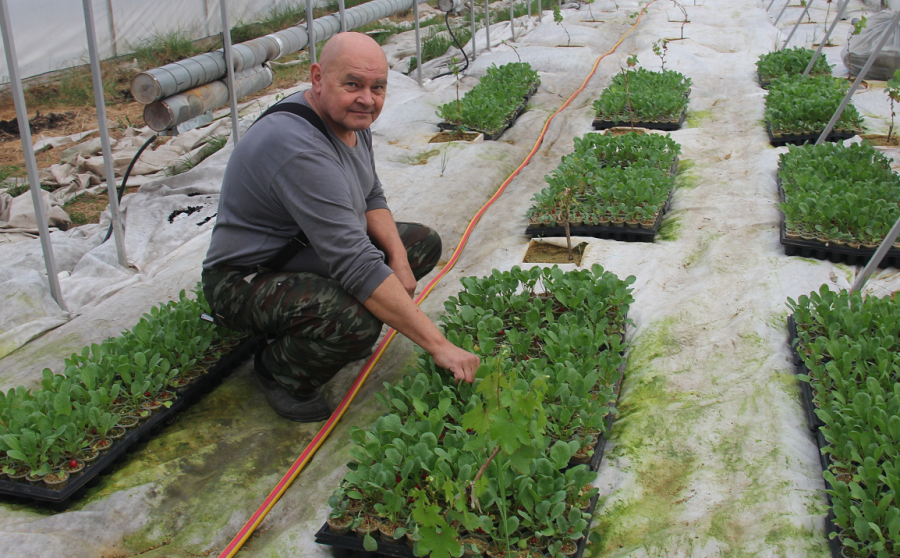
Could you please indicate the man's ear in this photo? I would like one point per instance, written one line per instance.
(315, 74)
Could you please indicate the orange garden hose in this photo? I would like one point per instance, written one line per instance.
(326, 429)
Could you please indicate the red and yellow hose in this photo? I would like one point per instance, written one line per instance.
(326, 429)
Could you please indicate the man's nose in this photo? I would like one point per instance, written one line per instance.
(365, 97)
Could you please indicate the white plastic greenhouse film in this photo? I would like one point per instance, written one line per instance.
(9, 48)
(48, 42)
(97, 79)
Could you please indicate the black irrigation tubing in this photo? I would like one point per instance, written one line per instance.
(125, 178)
(455, 40)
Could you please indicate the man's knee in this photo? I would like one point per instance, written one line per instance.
(423, 247)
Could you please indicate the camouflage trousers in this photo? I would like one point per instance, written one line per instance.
(314, 325)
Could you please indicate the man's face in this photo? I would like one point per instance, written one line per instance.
(351, 92)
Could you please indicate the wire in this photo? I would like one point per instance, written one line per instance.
(455, 40)
(125, 178)
(329, 425)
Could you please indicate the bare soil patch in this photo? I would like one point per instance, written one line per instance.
(543, 252)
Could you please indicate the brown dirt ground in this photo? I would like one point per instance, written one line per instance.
(882, 141)
(542, 252)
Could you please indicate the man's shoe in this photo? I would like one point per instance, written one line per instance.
(286, 404)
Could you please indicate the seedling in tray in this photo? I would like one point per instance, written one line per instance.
(798, 107)
(639, 95)
(789, 62)
(484, 457)
(849, 345)
(847, 196)
(490, 106)
(620, 181)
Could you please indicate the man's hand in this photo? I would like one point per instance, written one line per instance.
(403, 272)
(462, 363)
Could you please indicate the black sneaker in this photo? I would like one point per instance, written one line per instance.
(285, 403)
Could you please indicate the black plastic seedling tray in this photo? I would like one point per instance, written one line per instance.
(801, 139)
(61, 499)
(664, 126)
(623, 234)
(448, 127)
(806, 394)
(815, 425)
(832, 252)
(351, 546)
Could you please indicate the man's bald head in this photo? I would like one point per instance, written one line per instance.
(349, 83)
(344, 47)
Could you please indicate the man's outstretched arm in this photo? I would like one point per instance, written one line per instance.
(391, 303)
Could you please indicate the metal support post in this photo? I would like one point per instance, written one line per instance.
(770, 5)
(97, 79)
(809, 4)
(311, 31)
(472, 14)
(512, 20)
(886, 245)
(824, 41)
(487, 23)
(781, 13)
(859, 79)
(540, 12)
(343, 17)
(15, 85)
(229, 75)
(418, 43)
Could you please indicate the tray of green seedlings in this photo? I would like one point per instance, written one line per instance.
(638, 97)
(849, 346)
(789, 62)
(493, 105)
(838, 203)
(616, 187)
(798, 109)
(488, 467)
(56, 440)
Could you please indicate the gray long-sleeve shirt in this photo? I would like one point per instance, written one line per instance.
(282, 177)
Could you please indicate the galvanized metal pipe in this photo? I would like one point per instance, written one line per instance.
(311, 31)
(770, 5)
(168, 113)
(879, 255)
(859, 79)
(342, 15)
(487, 23)
(418, 45)
(781, 13)
(809, 4)
(171, 79)
(97, 78)
(229, 76)
(512, 20)
(824, 41)
(15, 85)
(472, 14)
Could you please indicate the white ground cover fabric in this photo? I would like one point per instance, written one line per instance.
(710, 455)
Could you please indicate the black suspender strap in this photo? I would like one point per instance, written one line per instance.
(299, 242)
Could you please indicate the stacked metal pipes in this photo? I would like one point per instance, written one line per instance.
(183, 90)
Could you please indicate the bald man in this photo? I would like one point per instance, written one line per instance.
(305, 248)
